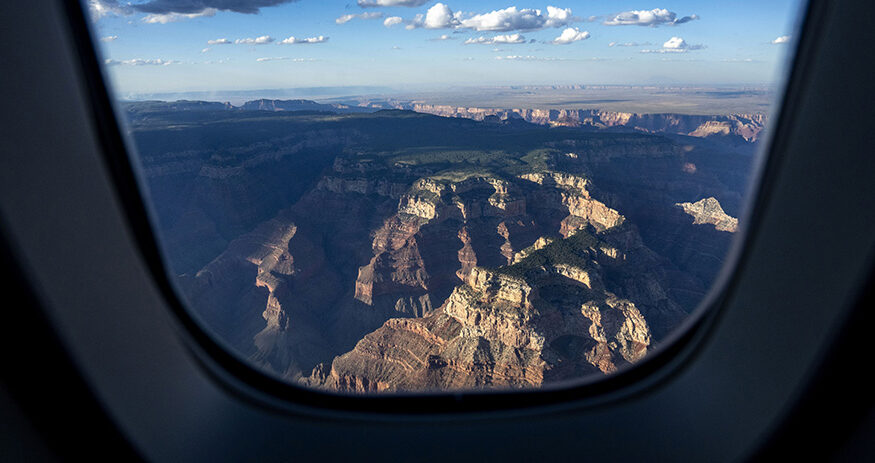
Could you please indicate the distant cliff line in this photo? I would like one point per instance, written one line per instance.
(747, 127)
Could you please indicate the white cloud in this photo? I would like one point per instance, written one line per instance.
(109, 38)
(393, 20)
(222, 41)
(510, 38)
(439, 16)
(140, 62)
(375, 3)
(205, 50)
(512, 18)
(653, 18)
(675, 45)
(349, 17)
(264, 39)
(165, 18)
(781, 39)
(571, 35)
(294, 40)
(444, 37)
(558, 17)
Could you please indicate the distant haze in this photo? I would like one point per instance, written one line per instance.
(635, 99)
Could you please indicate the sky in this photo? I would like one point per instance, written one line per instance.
(153, 46)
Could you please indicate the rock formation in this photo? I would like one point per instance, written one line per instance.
(550, 316)
(708, 211)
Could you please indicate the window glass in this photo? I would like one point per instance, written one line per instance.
(404, 195)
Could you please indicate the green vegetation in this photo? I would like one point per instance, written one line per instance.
(448, 147)
(461, 174)
(538, 160)
(447, 155)
(573, 251)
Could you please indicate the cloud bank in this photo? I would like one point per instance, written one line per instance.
(140, 62)
(294, 40)
(440, 16)
(263, 40)
(511, 19)
(498, 39)
(349, 17)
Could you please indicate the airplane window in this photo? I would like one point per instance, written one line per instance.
(408, 195)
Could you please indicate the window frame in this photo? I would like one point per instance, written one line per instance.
(719, 401)
(243, 378)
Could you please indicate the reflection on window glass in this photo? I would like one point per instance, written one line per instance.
(403, 195)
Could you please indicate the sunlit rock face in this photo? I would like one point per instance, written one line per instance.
(518, 326)
(400, 251)
(708, 211)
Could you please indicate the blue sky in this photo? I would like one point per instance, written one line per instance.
(163, 45)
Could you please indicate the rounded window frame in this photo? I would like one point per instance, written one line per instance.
(254, 385)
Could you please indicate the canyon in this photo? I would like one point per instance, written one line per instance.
(393, 250)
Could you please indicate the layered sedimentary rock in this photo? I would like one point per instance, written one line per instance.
(468, 222)
(448, 261)
(548, 317)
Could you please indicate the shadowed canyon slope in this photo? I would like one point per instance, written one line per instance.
(369, 252)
